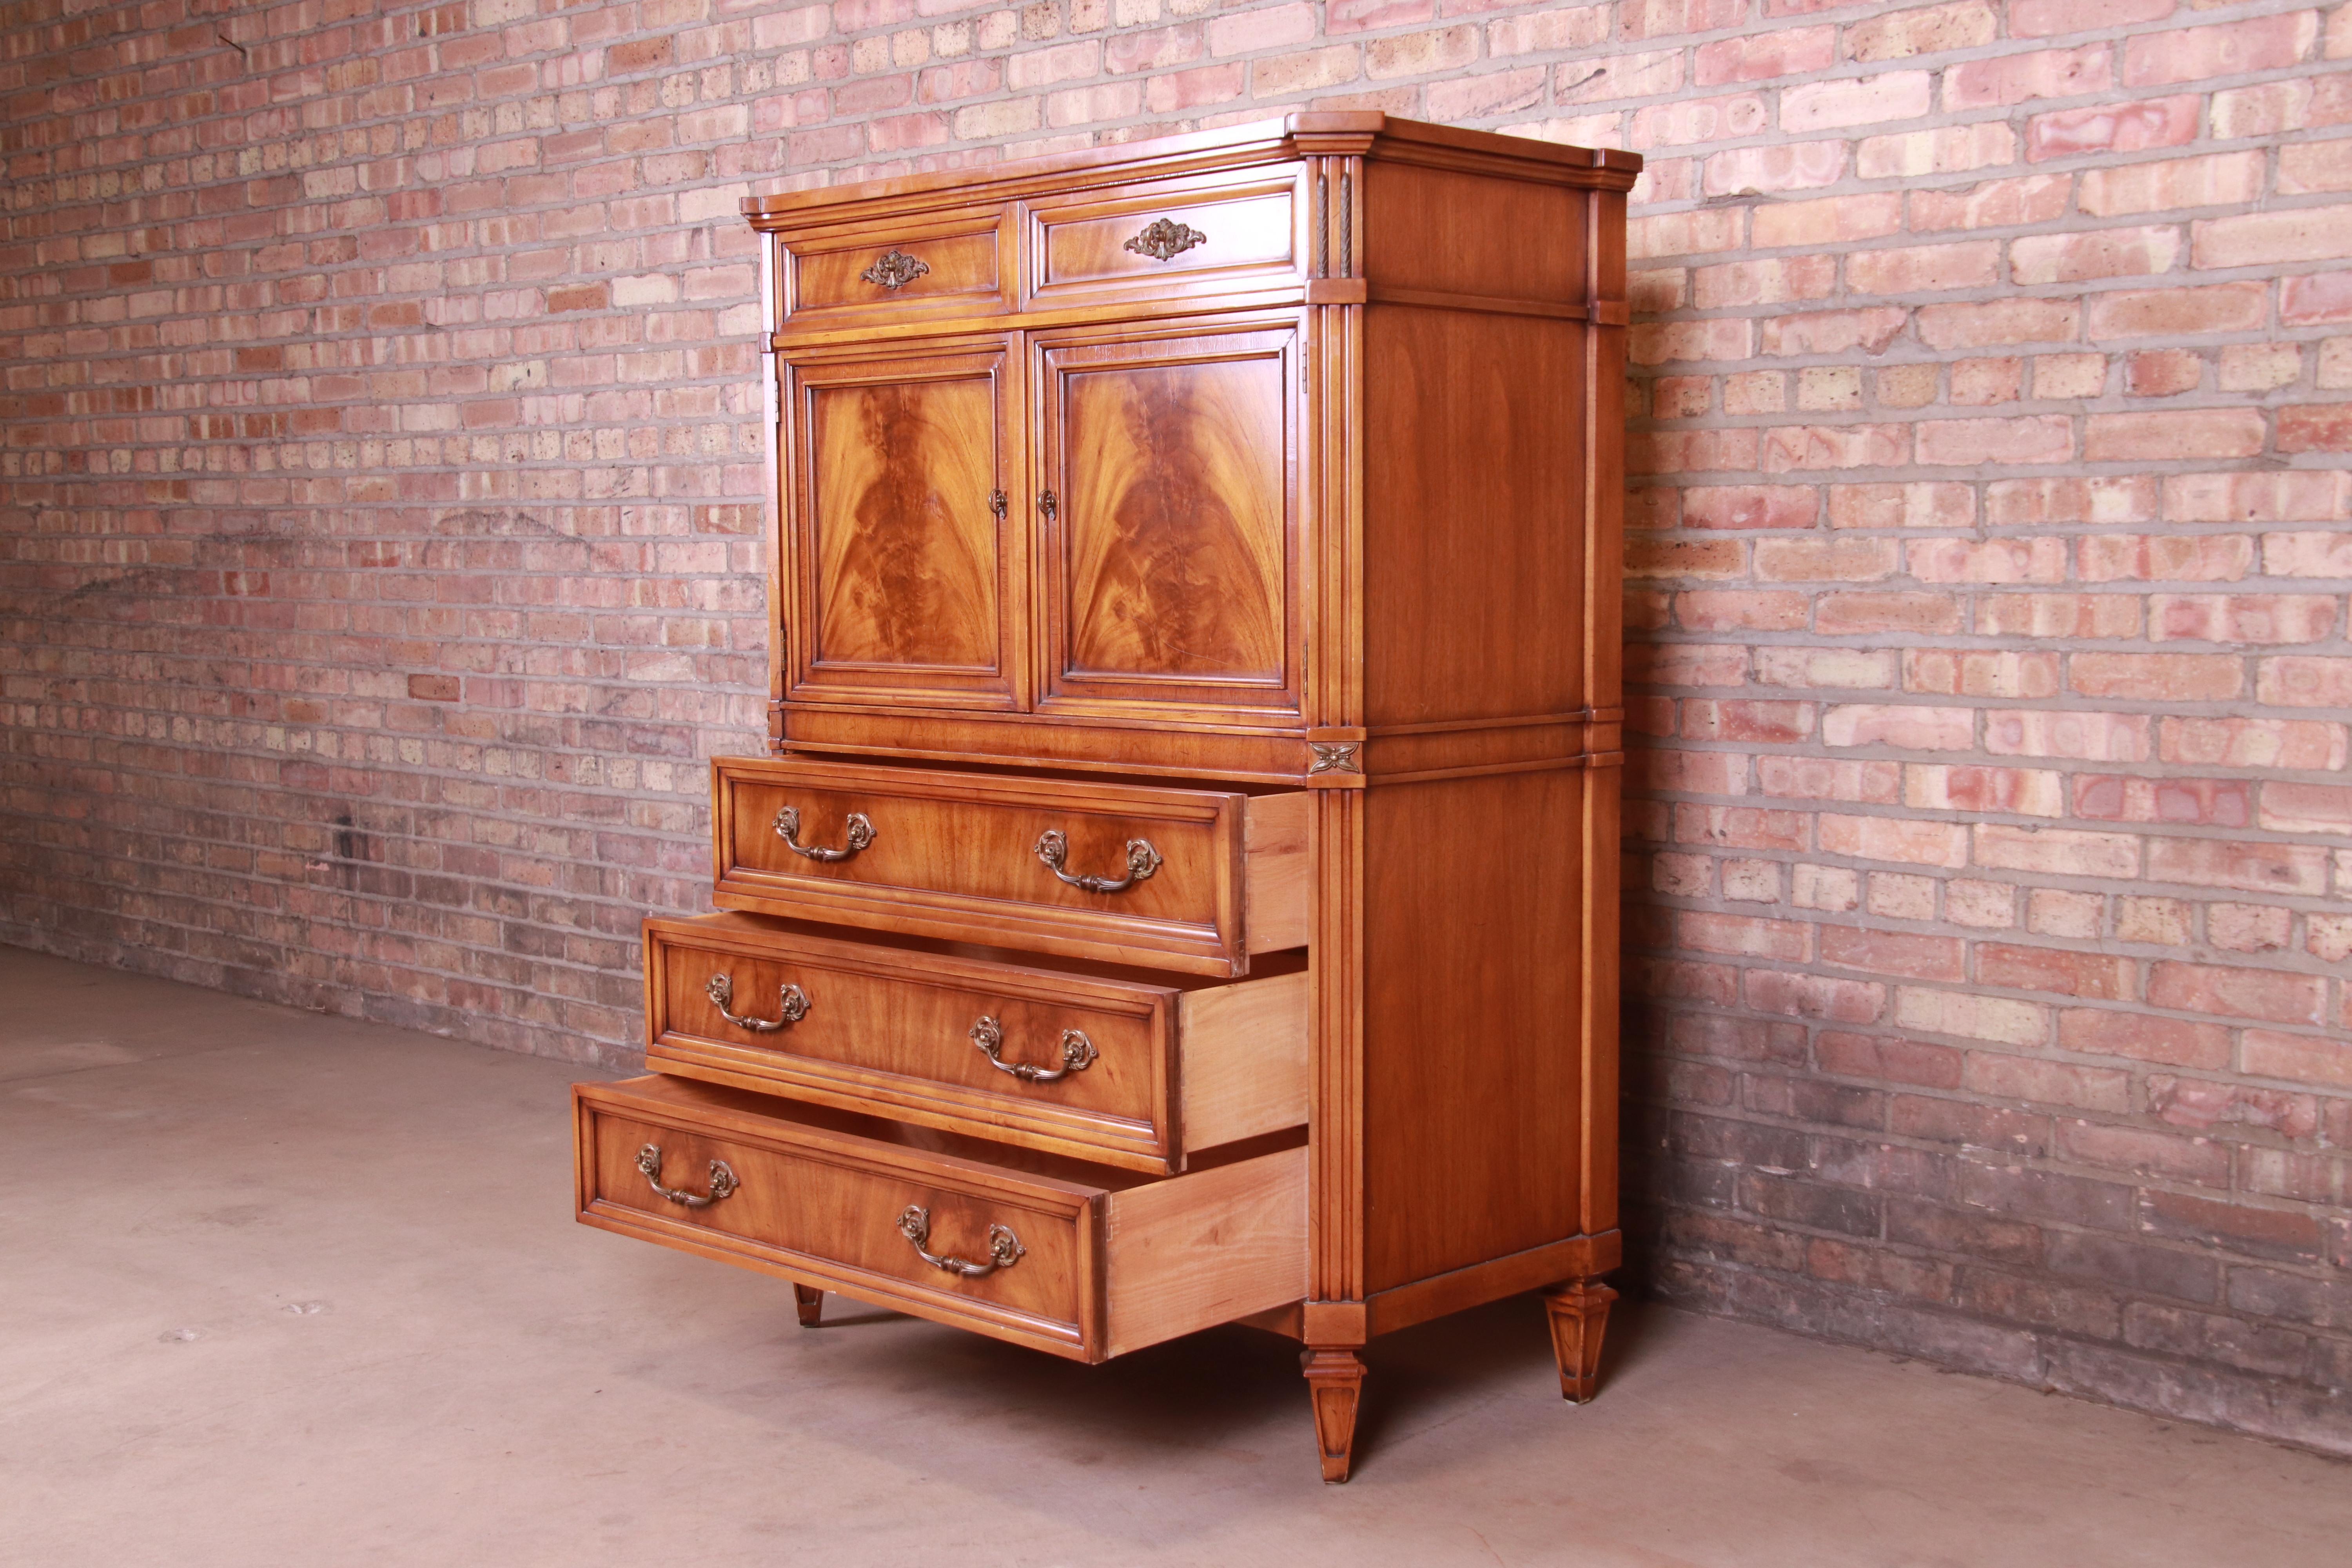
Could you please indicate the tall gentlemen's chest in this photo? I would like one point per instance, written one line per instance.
(1182, 886)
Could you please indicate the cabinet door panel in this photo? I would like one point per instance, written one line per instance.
(899, 559)
(1172, 536)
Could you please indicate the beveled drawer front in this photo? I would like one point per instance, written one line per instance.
(1203, 238)
(1193, 881)
(951, 262)
(1081, 1261)
(1099, 1068)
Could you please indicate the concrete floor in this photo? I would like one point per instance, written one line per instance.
(279, 1289)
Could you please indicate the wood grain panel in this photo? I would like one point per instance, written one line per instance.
(1175, 513)
(1449, 233)
(1472, 500)
(1206, 1249)
(894, 554)
(1174, 542)
(828, 272)
(954, 856)
(833, 1199)
(1110, 1263)
(905, 542)
(1244, 1059)
(1253, 229)
(887, 1031)
(1472, 1029)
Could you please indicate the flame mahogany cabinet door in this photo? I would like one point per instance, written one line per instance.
(901, 565)
(1168, 490)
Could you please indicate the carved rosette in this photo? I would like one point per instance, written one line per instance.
(1334, 757)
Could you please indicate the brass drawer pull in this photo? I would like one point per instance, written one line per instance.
(1164, 239)
(723, 1180)
(1077, 1053)
(1142, 860)
(1004, 1249)
(792, 1002)
(788, 829)
(894, 269)
(997, 503)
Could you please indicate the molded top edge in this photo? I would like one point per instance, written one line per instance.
(1371, 132)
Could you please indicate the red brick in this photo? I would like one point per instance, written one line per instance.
(2289, 235)
(2234, 48)
(2315, 427)
(2296, 682)
(2253, 865)
(2271, 995)
(2108, 1032)
(2112, 128)
(1761, 56)
(1915, 957)
(2064, 971)
(2158, 676)
(2192, 434)
(2004, 79)
(1999, 322)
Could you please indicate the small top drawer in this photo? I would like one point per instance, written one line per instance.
(1094, 1062)
(1193, 881)
(1194, 237)
(958, 262)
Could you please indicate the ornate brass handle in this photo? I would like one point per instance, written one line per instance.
(996, 504)
(788, 829)
(1077, 1053)
(1047, 504)
(894, 269)
(1142, 860)
(1164, 239)
(1004, 1249)
(792, 1002)
(723, 1180)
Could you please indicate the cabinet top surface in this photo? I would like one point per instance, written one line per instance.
(1301, 133)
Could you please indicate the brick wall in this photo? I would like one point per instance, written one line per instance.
(379, 566)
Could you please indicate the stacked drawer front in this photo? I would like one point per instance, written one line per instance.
(876, 1111)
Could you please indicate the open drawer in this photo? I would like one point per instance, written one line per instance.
(1091, 1061)
(1188, 879)
(1082, 1261)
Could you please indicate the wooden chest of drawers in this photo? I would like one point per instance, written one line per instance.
(1183, 887)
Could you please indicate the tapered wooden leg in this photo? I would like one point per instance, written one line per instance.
(810, 1301)
(1580, 1312)
(1335, 1379)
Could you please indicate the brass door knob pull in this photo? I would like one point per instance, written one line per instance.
(788, 829)
(1142, 860)
(1004, 1249)
(792, 1002)
(1077, 1053)
(723, 1180)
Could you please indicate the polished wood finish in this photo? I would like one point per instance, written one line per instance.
(1579, 1311)
(954, 856)
(1234, 233)
(1180, 1067)
(1110, 1262)
(1309, 436)
(903, 565)
(1335, 1382)
(836, 275)
(1172, 546)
